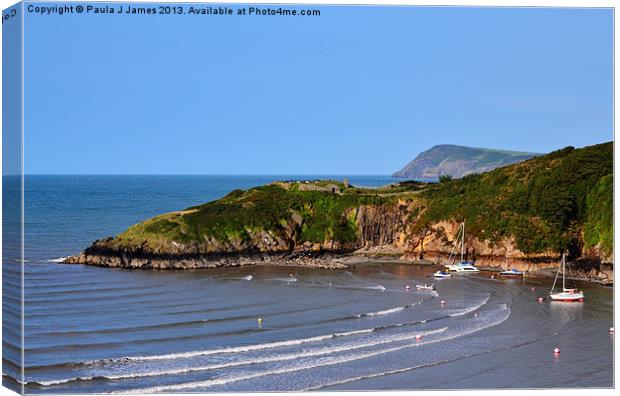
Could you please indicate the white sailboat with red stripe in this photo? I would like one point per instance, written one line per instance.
(569, 295)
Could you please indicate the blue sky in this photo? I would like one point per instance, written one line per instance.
(358, 90)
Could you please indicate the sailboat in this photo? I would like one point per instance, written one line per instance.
(566, 294)
(463, 266)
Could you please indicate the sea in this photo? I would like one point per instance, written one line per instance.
(267, 328)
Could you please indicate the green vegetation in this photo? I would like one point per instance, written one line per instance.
(321, 215)
(542, 202)
(599, 226)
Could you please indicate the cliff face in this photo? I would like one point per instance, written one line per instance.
(379, 229)
(436, 243)
(371, 225)
(519, 216)
(458, 161)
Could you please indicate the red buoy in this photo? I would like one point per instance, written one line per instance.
(556, 350)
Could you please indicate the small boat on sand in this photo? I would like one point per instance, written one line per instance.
(441, 274)
(425, 287)
(511, 272)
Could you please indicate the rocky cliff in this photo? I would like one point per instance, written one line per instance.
(458, 161)
(521, 216)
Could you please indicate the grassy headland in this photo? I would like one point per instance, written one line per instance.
(563, 200)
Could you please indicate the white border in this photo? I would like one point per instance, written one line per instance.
(484, 3)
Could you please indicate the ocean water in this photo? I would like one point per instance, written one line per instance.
(90, 329)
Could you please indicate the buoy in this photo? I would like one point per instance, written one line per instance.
(475, 315)
(407, 287)
(418, 337)
(443, 302)
(260, 320)
(556, 350)
(492, 276)
(533, 288)
(540, 299)
(291, 275)
(611, 329)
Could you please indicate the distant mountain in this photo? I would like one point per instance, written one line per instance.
(459, 161)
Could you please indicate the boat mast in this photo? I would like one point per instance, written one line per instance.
(463, 241)
(563, 273)
(556, 279)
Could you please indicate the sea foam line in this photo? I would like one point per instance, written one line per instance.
(269, 359)
(321, 363)
(389, 310)
(245, 348)
(396, 371)
(57, 260)
(470, 309)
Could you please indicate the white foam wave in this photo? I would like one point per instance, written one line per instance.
(268, 359)
(57, 260)
(319, 363)
(294, 356)
(388, 311)
(245, 348)
(289, 279)
(470, 309)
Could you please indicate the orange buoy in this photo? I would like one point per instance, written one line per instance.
(556, 350)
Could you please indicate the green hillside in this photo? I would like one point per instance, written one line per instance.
(543, 202)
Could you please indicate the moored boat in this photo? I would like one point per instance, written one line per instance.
(441, 274)
(568, 295)
(466, 267)
(511, 272)
(425, 287)
(462, 266)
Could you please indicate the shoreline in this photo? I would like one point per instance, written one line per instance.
(318, 260)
